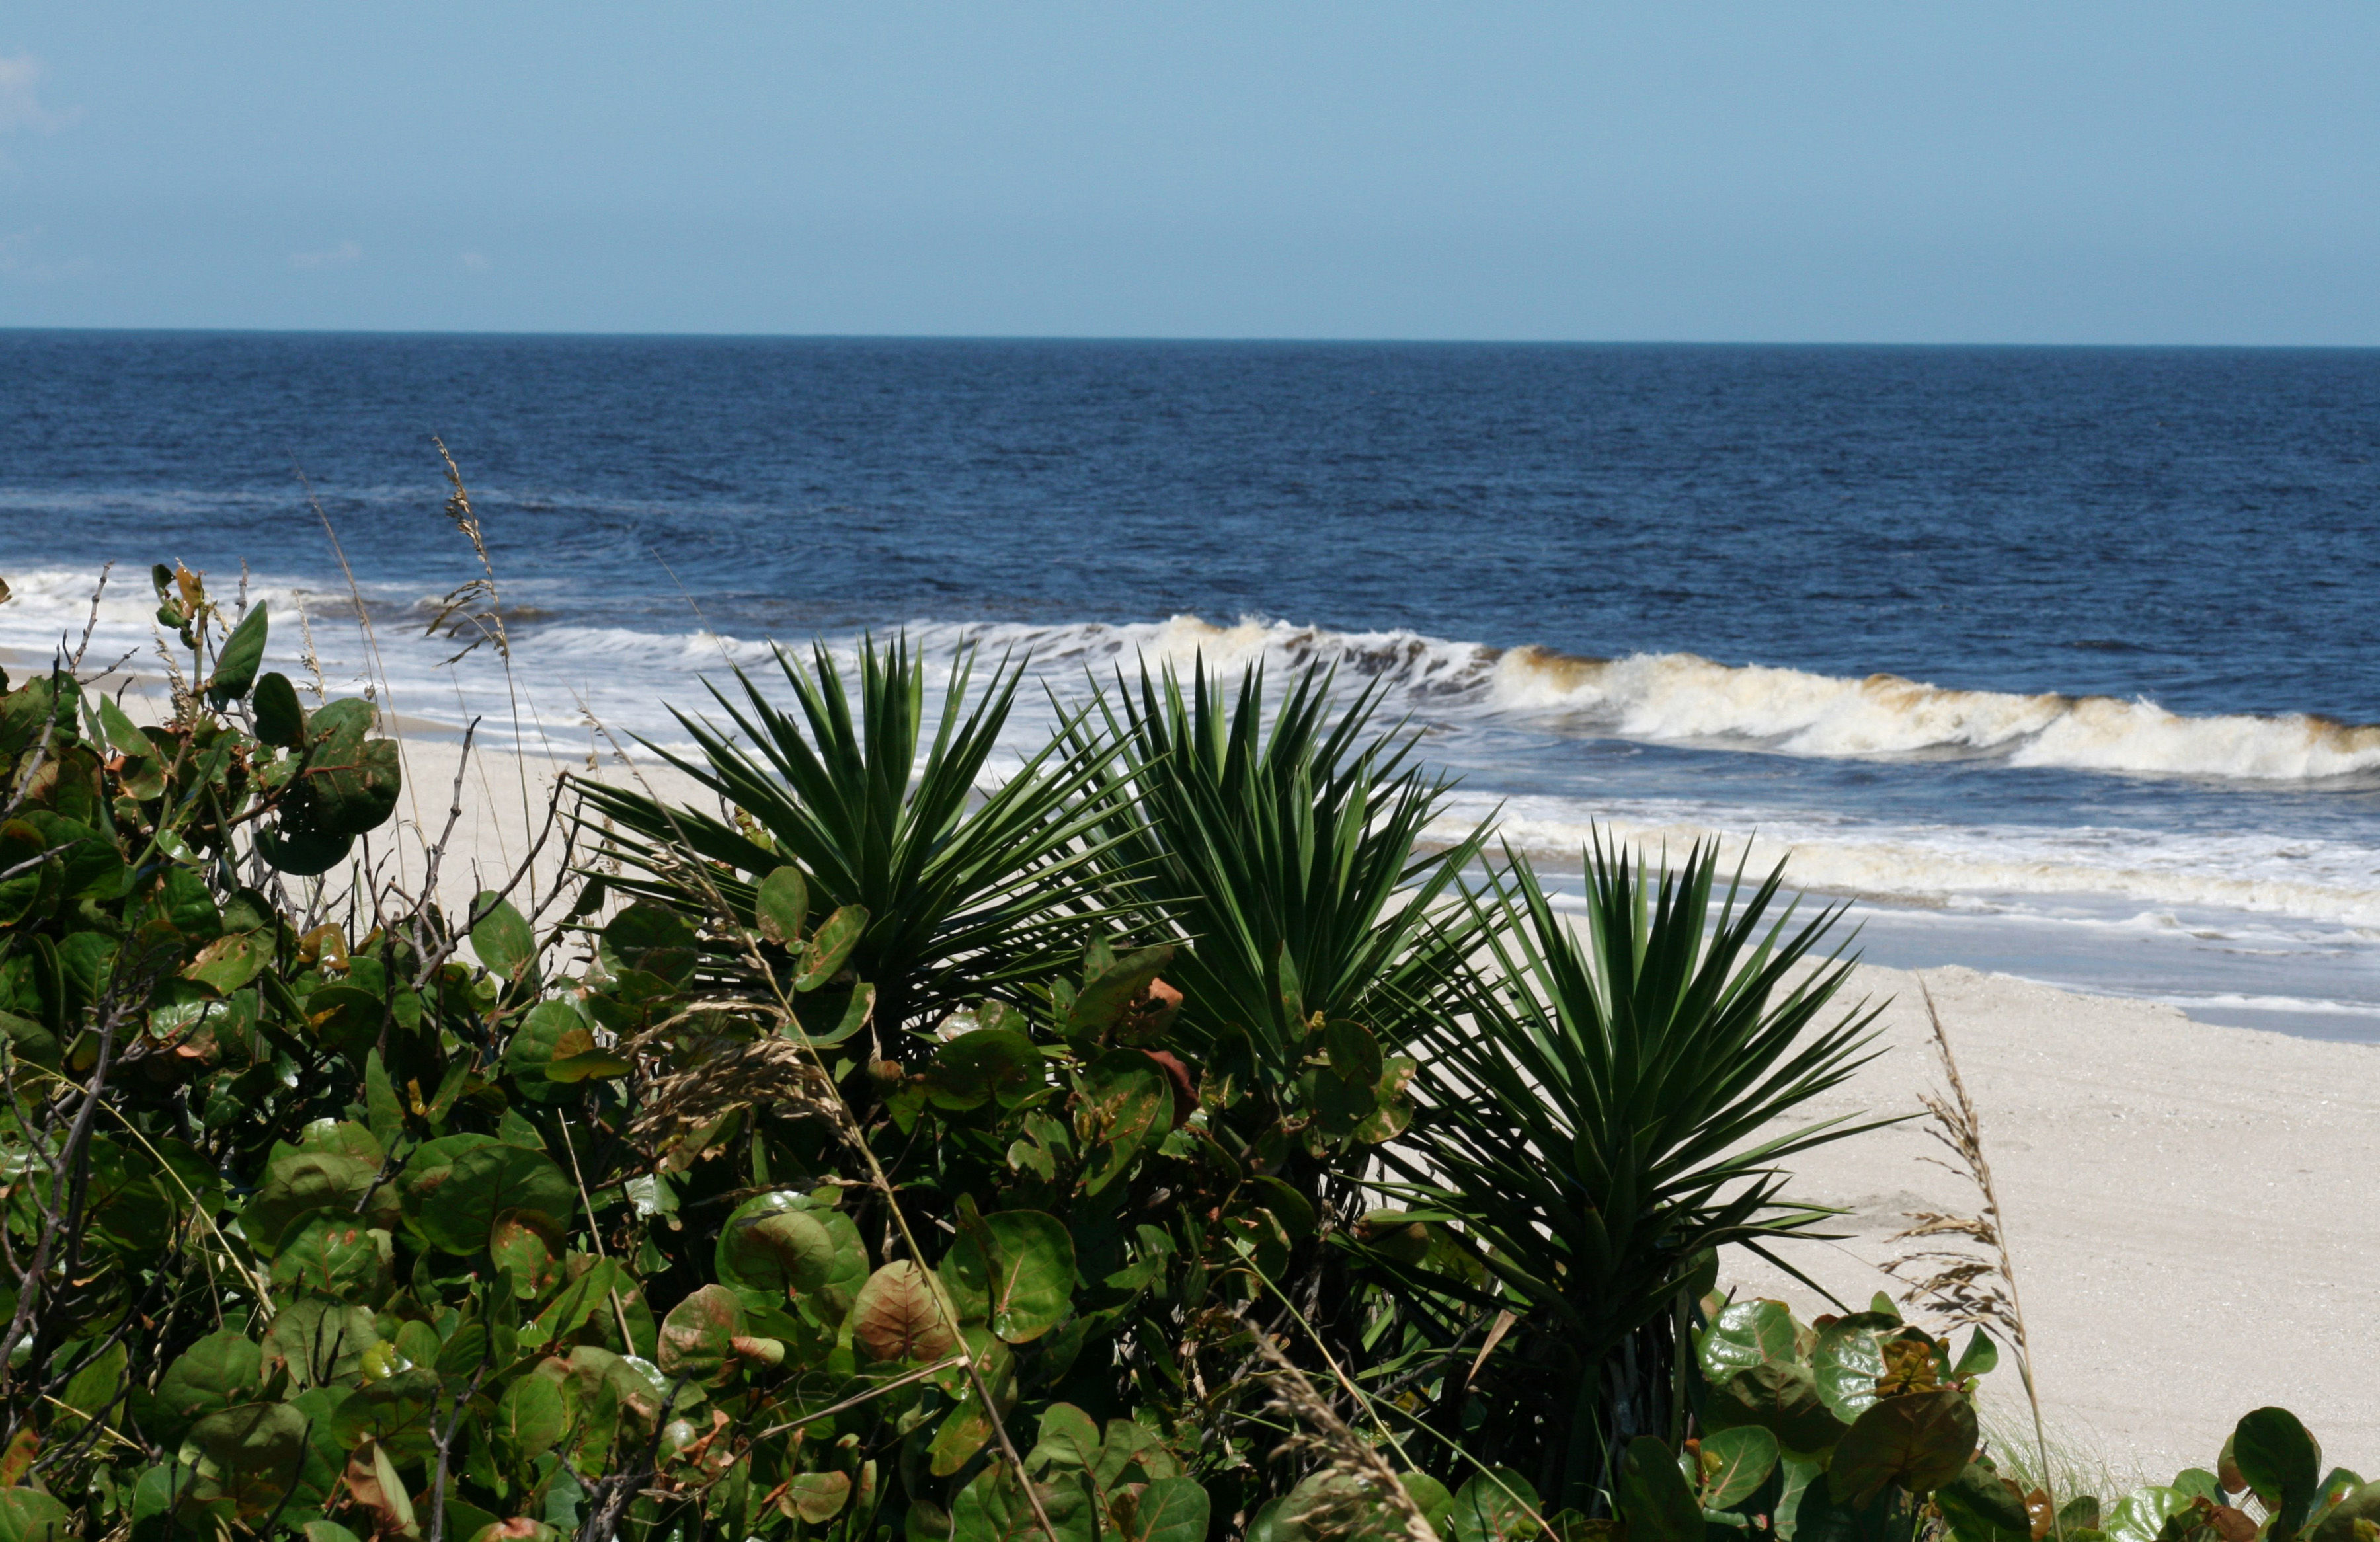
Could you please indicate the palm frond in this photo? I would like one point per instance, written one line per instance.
(1281, 851)
(968, 890)
(1603, 1111)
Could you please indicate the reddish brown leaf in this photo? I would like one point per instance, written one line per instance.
(895, 1317)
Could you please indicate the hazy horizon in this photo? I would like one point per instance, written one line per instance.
(1217, 341)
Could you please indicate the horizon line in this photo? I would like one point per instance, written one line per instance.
(554, 333)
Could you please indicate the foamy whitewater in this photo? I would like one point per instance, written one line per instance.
(2277, 929)
(2060, 662)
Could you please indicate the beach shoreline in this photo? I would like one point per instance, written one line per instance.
(2183, 1198)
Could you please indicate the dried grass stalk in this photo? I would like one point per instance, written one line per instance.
(1974, 1284)
(473, 607)
(767, 1073)
(1365, 1483)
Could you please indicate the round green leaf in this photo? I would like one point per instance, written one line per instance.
(297, 1186)
(2337, 1522)
(1782, 1399)
(985, 1064)
(532, 1048)
(29, 1515)
(824, 957)
(501, 939)
(654, 938)
(433, 1165)
(279, 721)
(524, 1247)
(1126, 1099)
(897, 1319)
(1433, 1498)
(220, 1370)
(2140, 1515)
(697, 1335)
(396, 1412)
(531, 1416)
(1015, 1270)
(1920, 1440)
(333, 1253)
(1653, 1494)
(967, 1427)
(321, 1341)
(1353, 1053)
(1981, 1508)
(1497, 1505)
(1747, 1334)
(300, 852)
(780, 1251)
(1068, 1437)
(227, 963)
(259, 1440)
(345, 1017)
(1735, 1463)
(1105, 997)
(1170, 1510)
(2277, 1456)
(460, 1214)
(349, 782)
(818, 1497)
(781, 906)
(1848, 1358)
(236, 661)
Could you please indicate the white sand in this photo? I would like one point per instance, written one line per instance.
(2191, 1208)
(504, 800)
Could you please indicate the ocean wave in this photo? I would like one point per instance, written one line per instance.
(1672, 698)
(1684, 699)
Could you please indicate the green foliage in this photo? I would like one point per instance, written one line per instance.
(1899, 1457)
(963, 895)
(1600, 1116)
(1280, 857)
(349, 1235)
(833, 1176)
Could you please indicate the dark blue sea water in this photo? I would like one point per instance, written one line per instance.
(2063, 660)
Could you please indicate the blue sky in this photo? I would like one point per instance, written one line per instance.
(2107, 173)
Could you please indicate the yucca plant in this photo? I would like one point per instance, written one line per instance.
(1281, 851)
(1602, 1115)
(967, 891)
(1275, 846)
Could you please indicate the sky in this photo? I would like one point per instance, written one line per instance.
(2174, 173)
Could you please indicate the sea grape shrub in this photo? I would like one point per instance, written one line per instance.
(1864, 1425)
(329, 1227)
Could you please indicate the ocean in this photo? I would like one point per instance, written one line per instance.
(2057, 661)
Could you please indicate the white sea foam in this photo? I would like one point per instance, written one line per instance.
(1932, 866)
(631, 678)
(1657, 697)
(1684, 699)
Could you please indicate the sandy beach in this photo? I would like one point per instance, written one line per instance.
(2189, 1205)
(2190, 1208)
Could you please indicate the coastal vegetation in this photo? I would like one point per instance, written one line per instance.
(1151, 1141)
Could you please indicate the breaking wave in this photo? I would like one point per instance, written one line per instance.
(1687, 699)
(1674, 698)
